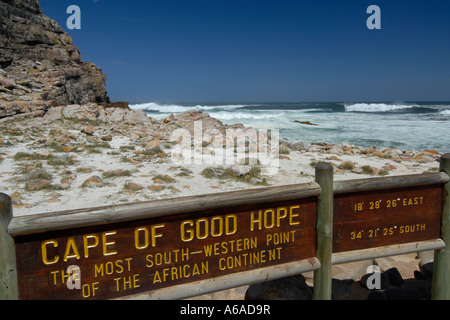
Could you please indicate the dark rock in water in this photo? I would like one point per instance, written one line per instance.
(291, 288)
(309, 123)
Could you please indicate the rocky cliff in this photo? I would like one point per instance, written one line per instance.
(39, 65)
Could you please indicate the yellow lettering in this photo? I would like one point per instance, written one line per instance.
(230, 224)
(45, 258)
(187, 234)
(204, 227)
(199, 222)
(216, 231)
(88, 246)
(412, 201)
(281, 216)
(89, 289)
(71, 246)
(293, 215)
(271, 223)
(137, 243)
(107, 243)
(253, 220)
(110, 267)
(156, 235)
(157, 278)
(149, 258)
(144, 244)
(125, 283)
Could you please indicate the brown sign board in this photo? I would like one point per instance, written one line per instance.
(121, 259)
(387, 217)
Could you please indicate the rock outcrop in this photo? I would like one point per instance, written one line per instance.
(39, 65)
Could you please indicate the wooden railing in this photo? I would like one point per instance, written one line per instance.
(183, 247)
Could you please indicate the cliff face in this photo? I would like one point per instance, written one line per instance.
(39, 65)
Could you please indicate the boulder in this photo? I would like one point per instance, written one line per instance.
(116, 114)
(291, 288)
(411, 290)
(92, 182)
(132, 186)
(188, 118)
(89, 130)
(340, 288)
(153, 144)
(136, 117)
(54, 113)
(395, 278)
(38, 184)
(119, 104)
(426, 269)
(36, 174)
(80, 112)
(300, 146)
(9, 84)
(169, 118)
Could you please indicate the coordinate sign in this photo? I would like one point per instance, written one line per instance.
(377, 218)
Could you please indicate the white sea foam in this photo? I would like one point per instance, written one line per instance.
(224, 115)
(376, 107)
(409, 125)
(168, 108)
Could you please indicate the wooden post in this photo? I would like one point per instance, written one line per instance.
(322, 277)
(441, 272)
(8, 270)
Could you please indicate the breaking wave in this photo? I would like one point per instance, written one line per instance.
(168, 108)
(377, 107)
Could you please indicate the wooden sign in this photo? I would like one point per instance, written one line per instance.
(127, 258)
(379, 218)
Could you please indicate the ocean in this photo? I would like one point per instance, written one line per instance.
(417, 126)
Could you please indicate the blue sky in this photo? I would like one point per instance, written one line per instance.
(264, 50)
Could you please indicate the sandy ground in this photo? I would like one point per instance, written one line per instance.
(184, 180)
(295, 167)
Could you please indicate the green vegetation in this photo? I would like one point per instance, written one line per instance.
(60, 161)
(347, 165)
(229, 173)
(124, 148)
(313, 163)
(164, 178)
(94, 147)
(367, 170)
(152, 151)
(124, 159)
(208, 173)
(184, 172)
(19, 156)
(117, 173)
